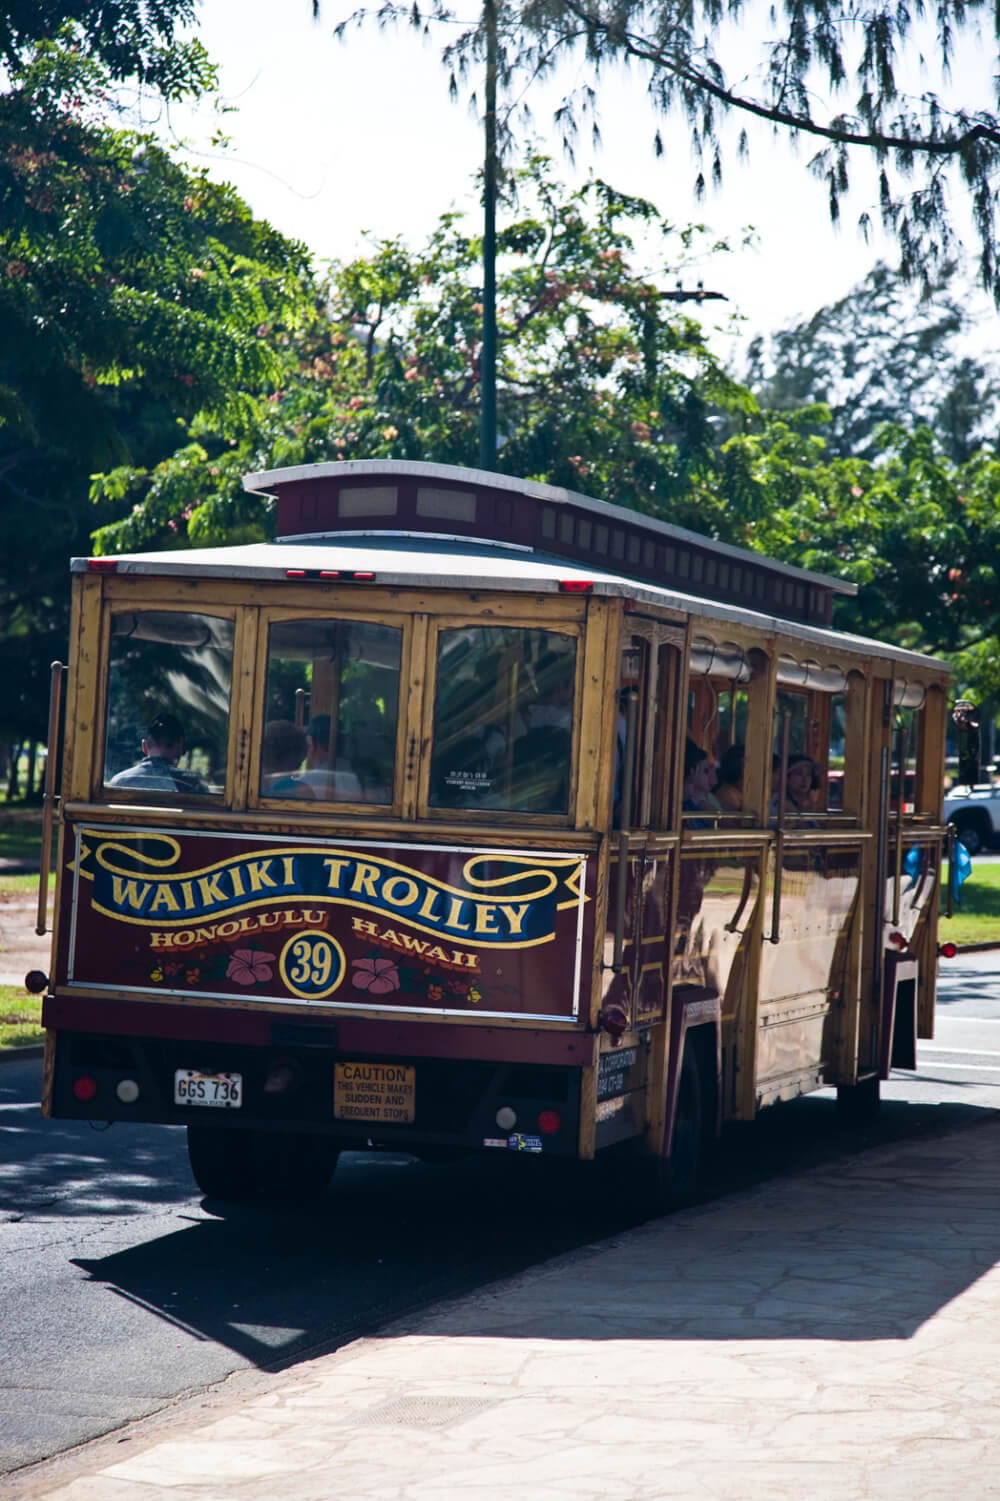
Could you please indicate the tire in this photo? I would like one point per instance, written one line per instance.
(223, 1162)
(972, 835)
(241, 1166)
(295, 1166)
(659, 1184)
(857, 1103)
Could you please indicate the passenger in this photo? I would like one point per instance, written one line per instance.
(729, 792)
(282, 752)
(162, 748)
(801, 784)
(699, 781)
(327, 781)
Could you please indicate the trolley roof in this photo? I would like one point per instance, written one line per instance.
(429, 562)
(411, 499)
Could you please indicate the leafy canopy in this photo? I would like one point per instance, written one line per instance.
(848, 79)
(132, 297)
(602, 384)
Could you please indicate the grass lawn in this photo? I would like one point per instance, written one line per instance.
(20, 1017)
(977, 912)
(20, 833)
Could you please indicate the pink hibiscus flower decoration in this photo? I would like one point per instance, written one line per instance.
(250, 966)
(377, 976)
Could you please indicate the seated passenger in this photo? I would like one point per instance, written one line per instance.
(328, 782)
(729, 792)
(282, 751)
(801, 784)
(699, 782)
(162, 748)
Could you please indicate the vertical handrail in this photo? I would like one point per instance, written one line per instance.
(625, 819)
(900, 793)
(49, 795)
(779, 838)
(949, 910)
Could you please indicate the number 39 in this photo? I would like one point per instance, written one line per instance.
(312, 965)
(312, 961)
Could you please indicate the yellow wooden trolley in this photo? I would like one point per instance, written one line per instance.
(472, 814)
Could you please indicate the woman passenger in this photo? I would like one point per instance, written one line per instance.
(699, 782)
(729, 792)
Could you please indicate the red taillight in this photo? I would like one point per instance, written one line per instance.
(947, 950)
(330, 575)
(549, 1122)
(85, 1087)
(897, 940)
(576, 586)
(102, 565)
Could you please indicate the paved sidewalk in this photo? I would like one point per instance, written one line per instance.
(829, 1336)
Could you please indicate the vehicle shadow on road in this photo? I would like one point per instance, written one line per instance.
(864, 1245)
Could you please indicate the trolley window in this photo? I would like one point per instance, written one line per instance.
(168, 701)
(503, 719)
(331, 711)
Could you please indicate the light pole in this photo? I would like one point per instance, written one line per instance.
(488, 353)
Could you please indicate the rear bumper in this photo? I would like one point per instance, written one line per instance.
(456, 1099)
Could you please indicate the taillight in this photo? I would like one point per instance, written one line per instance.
(549, 1122)
(84, 1087)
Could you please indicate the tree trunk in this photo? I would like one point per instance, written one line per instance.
(12, 780)
(29, 777)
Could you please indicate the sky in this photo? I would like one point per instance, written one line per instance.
(330, 140)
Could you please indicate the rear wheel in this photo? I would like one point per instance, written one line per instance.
(659, 1184)
(223, 1162)
(859, 1102)
(239, 1166)
(297, 1166)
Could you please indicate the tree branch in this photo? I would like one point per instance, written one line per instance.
(948, 144)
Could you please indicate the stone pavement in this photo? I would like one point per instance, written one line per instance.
(830, 1336)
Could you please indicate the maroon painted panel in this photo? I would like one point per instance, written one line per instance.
(345, 924)
(391, 1037)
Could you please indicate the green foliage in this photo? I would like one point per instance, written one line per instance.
(134, 299)
(918, 533)
(129, 38)
(602, 385)
(831, 73)
(882, 354)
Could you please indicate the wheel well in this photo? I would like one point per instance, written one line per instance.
(969, 818)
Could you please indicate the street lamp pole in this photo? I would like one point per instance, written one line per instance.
(488, 355)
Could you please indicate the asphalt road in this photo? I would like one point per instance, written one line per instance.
(123, 1289)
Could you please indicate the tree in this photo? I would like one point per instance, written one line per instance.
(602, 384)
(882, 354)
(918, 533)
(917, 144)
(131, 39)
(132, 296)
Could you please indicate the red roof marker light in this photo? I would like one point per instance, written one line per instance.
(576, 586)
(102, 565)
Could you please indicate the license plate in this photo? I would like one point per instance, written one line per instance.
(374, 1092)
(218, 1091)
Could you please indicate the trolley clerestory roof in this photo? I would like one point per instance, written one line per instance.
(434, 560)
